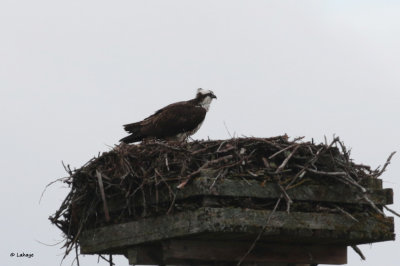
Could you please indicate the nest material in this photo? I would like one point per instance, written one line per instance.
(134, 177)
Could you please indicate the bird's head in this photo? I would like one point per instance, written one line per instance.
(205, 93)
(204, 97)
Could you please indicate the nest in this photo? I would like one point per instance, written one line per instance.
(127, 182)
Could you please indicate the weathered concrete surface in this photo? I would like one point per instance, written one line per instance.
(203, 186)
(338, 193)
(241, 224)
(176, 251)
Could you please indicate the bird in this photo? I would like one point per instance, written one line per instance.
(174, 122)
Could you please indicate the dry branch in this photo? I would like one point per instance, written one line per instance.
(103, 195)
(385, 165)
(358, 251)
(260, 234)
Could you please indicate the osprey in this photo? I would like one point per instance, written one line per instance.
(176, 121)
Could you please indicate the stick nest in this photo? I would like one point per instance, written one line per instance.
(127, 182)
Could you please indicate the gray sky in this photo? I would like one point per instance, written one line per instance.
(71, 73)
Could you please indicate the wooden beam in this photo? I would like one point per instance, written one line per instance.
(241, 224)
(338, 193)
(145, 255)
(176, 251)
(371, 183)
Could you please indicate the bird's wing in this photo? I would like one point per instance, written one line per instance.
(133, 127)
(173, 119)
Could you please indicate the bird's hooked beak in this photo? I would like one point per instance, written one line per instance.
(213, 96)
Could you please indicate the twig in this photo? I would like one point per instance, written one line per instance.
(287, 198)
(392, 211)
(344, 151)
(251, 173)
(287, 159)
(241, 161)
(103, 195)
(385, 165)
(171, 206)
(358, 251)
(204, 149)
(205, 165)
(166, 162)
(302, 172)
(77, 254)
(171, 192)
(67, 168)
(144, 213)
(227, 130)
(344, 175)
(221, 173)
(298, 138)
(50, 245)
(271, 143)
(323, 172)
(347, 179)
(245, 180)
(298, 183)
(109, 261)
(167, 146)
(266, 163)
(229, 148)
(373, 205)
(51, 183)
(260, 234)
(353, 182)
(220, 146)
(346, 213)
(284, 149)
(128, 165)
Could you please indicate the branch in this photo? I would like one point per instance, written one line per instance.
(358, 251)
(284, 149)
(346, 213)
(103, 195)
(385, 165)
(392, 211)
(205, 165)
(373, 205)
(259, 234)
(287, 159)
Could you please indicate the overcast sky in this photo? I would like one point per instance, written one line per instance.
(72, 72)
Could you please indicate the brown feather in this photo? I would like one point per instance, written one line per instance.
(167, 122)
(172, 120)
(176, 121)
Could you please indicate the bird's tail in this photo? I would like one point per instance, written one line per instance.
(131, 138)
(135, 135)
